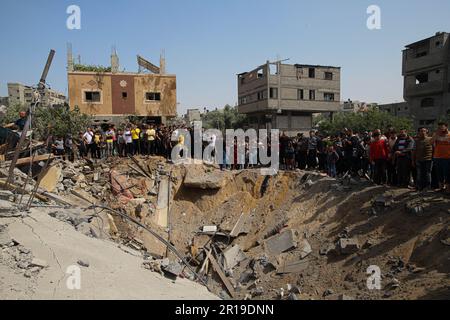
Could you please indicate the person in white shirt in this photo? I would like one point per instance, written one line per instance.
(88, 138)
(128, 141)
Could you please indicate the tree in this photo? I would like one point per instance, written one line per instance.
(59, 121)
(226, 118)
(12, 113)
(361, 121)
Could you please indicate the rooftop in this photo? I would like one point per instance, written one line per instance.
(424, 41)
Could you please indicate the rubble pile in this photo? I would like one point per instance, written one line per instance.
(296, 235)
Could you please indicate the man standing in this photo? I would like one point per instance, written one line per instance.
(128, 137)
(68, 145)
(88, 138)
(422, 159)
(284, 140)
(136, 134)
(391, 171)
(151, 135)
(110, 136)
(312, 150)
(402, 152)
(441, 141)
(379, 152)
(302, 151)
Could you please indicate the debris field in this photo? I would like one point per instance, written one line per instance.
(292, 236)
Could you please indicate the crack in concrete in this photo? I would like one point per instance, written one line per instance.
(50, 249)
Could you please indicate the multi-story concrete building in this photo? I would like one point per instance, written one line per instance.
(113, 95)
(397, 109)
(23, 94)
(284, 97)
(426, 68)
(193, 115)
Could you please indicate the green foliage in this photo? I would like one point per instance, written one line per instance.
(361, 121)
(226, 118)
(91, 68)
(12, 113)
(59, 121)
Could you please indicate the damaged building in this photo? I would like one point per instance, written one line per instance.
(426, 90)
(110, 95)
(426, 66)
(19, 93)
(283, 96)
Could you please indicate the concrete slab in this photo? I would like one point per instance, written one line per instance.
(281, 243)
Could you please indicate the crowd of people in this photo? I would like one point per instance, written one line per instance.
(98, 143)
(391, 158)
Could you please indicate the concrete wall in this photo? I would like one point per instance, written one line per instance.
(82, 82)
(164, 84)
(122, 84)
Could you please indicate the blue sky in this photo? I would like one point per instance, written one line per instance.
(207, 42)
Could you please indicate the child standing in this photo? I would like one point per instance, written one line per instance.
(332, 158)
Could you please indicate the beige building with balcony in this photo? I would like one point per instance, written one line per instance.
(282, 96)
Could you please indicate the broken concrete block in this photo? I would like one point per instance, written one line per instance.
(281, 243)
(8, 209)
(293, 267)
(38, 263)
(100, 227)
(305, 248)
(197, 177)
(233, 256)
(5, 239)
(6, 195)
(238, 227)
(348, 246)
(209, 229)
(160, 216)
(51, 179)
(173, 268)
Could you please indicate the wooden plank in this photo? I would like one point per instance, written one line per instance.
(37, 158)
(222, 275)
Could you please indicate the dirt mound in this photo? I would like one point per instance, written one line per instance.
(406, 247)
